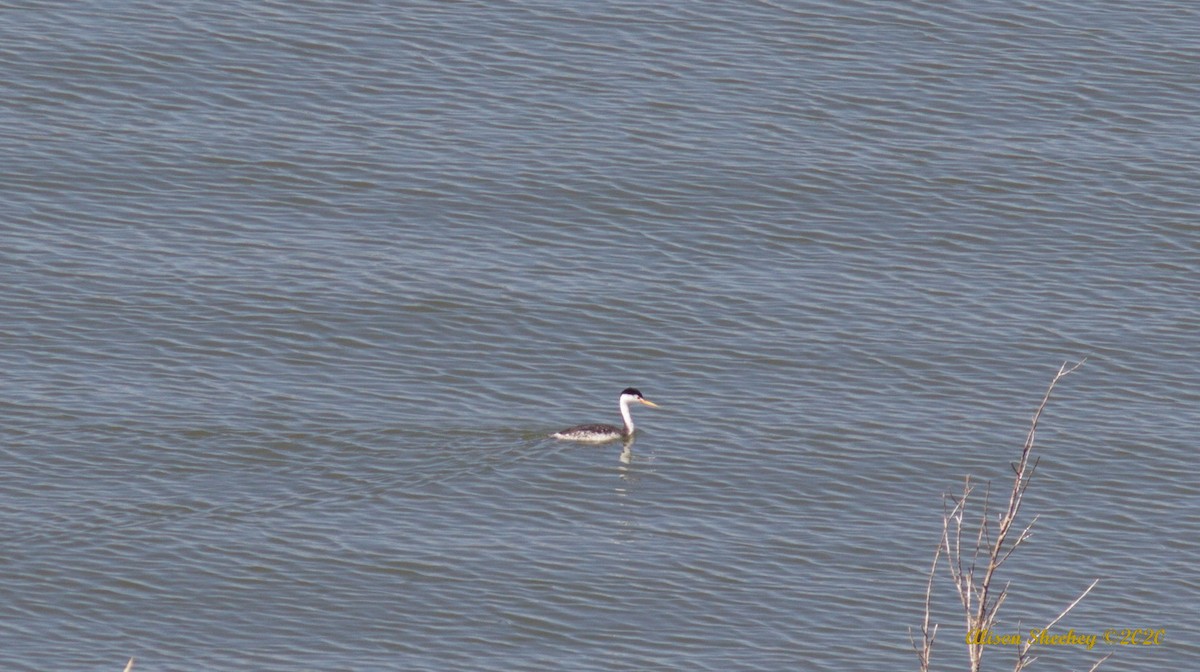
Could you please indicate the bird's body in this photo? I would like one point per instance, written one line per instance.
(598, 432)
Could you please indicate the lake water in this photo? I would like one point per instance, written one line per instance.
(294, 292)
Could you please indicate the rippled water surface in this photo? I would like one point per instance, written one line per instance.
(294, 292)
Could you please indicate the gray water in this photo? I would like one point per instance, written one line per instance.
(294, 292)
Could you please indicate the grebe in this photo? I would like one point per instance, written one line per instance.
(598, 433)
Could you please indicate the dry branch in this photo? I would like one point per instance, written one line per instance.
(974, 579)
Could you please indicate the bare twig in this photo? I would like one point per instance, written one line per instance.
(995, 541)
(928, 635)
(1023, 651)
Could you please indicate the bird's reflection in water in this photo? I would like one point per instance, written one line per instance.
(626, 451)
(629, 470)
(627, 503)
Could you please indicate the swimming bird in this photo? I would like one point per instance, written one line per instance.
(598, 433)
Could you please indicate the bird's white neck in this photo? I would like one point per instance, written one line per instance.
(626, 415)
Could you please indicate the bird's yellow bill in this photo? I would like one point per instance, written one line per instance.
(648, 403)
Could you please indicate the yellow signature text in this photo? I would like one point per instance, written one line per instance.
(1110, 636)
